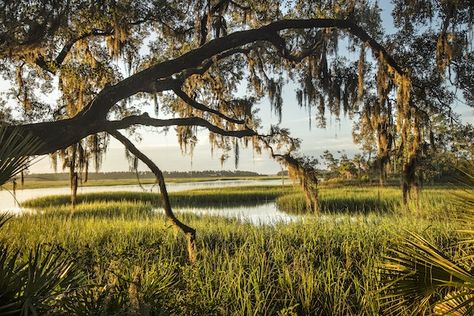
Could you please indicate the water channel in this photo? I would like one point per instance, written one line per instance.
(265, 213)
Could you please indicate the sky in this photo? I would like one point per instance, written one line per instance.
(164, 150)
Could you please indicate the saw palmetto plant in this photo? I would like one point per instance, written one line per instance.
(33, 285)
(29, 282)
(422, 279)
(15, 149)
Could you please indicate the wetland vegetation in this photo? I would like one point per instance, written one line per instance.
(397, 77)
(126, 259)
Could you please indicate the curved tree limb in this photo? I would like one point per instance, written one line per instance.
(176, 80)
(109, 96)
(199, 106)
(92, 119)
(61, 134)
(165, 201)
(146, 120)
(51, 66)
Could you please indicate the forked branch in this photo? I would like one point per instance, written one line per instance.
(201, 107)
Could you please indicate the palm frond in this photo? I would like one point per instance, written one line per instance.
(11, 278)
(459, 303)
(33, 285)
(417, 273)
(16, 148)
(419, 278)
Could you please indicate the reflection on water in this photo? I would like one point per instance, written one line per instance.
(266, 213)
(256, 214)
(7, 202)
(17, 211)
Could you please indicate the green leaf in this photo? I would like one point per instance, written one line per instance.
(16, 148)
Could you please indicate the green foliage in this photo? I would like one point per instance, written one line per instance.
(134, 263)
(423, 278)
(32, 285)
(16, 147)
(316, 267)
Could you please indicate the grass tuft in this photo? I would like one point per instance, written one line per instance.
(135, 263)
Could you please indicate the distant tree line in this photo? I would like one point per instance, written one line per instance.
(146, 174)
(451, 145)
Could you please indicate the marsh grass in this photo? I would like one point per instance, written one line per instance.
(433, 202)
(223, 197)
(135, 263)
(112, 209)
(345, 200)
(290, 199)
(315, 267)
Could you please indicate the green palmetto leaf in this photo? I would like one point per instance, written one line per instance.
(48, 271)
(16, 148)
(11, 280)
(418, 273)
(421, 279)
(31, 286)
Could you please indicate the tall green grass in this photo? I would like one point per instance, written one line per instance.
(223, 197)
(433, 201)
(290, 199)
(135, 263)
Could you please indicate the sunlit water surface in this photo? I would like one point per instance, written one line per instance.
(266, 213)
(255, 214)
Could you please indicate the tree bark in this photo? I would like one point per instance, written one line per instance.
(189, 232)
(64, 133)
(167, 75)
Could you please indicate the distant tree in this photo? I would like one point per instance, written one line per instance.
(347, 169)
(282, 173)
(331, 163)
(361, 164)
(451, 144)
(343, 167)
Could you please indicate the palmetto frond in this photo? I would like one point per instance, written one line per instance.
(456, 304)
(15, 150)
(418, 274)
(421, 279)
(30, 286)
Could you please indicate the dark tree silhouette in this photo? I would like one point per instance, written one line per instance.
(189, 57)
